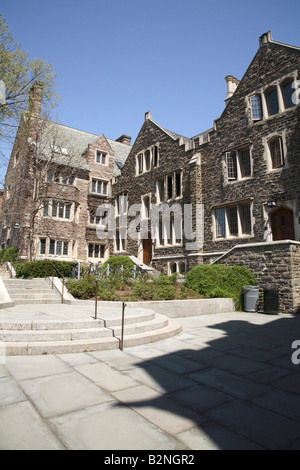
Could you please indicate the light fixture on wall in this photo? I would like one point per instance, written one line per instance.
(271, 202)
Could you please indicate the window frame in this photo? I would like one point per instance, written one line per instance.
(101, 154)
(271, 141)
(101, 249)
(235, 223)
(97, 187)
(272, 100)
(235, 170)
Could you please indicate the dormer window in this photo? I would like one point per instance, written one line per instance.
(101, 157)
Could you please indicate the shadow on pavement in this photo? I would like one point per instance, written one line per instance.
(241, 390)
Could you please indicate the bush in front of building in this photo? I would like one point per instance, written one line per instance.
(10, 254)
(85, 289)
(42, 268)
(216, 280)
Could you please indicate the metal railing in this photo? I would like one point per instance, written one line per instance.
(123, 307)
(54, 268)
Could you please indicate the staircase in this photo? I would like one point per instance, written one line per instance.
(145, 267)
(54, 336)
(31, 291)
(4, 272)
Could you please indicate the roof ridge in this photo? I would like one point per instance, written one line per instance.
(75, 129)
(173, 135)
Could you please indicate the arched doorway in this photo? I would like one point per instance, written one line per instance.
(282, 223)
(147, 249)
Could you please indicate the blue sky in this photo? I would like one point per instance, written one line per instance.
(117, 59)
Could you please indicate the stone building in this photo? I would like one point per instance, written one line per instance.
(230, 194)
(243, 175)
(56, 178)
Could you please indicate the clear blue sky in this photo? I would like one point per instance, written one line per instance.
(117, 59)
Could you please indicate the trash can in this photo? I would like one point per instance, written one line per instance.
(251, 299)
(271, 300)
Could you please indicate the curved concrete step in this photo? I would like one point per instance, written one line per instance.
(57, 336)
(53, 335)
(92, 344)
(171, 329)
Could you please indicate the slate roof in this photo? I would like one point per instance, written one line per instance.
(70, 145)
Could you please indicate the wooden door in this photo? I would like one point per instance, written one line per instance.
(147, 250)
(282, 222)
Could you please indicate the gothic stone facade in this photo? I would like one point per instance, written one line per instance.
(245, 171)
(241, 179)
(56, 179)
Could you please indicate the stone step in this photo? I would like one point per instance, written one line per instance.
(173, 328)
(68, 336)
(34, 295)
(54, 335)
(32, 291)
(160, 321)
(27, 283)
(36, 301)
(91, 344)
(60, 347)
(46, 332)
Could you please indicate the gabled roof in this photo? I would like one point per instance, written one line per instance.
(173, 135)
(71, 144)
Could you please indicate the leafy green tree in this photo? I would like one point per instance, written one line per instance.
(17, 75)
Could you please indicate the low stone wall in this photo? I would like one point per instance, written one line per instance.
(171, 308)
(276, 265)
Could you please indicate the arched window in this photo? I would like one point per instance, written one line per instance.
(272, 101)
(256, 107)
(276, 152)
(287, 93)
(182, 268)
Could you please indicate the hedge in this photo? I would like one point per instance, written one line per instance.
(115, 263)
(42, 268)
(221, 281)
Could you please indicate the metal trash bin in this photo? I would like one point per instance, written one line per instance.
(251, 299)
(271, 300)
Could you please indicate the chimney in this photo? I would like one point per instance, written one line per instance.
(148, 115)
(124, 139)
(232, 84)
(35, 99)
(265, 38)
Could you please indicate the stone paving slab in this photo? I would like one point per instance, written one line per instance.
(226, 382)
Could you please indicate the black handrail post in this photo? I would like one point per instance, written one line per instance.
(96, 299)
(123, 322)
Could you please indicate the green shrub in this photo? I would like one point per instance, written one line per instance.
(85, 289)
(42, 268)
(115, 263)
(161, 288)
(221, 281)
(10, 254)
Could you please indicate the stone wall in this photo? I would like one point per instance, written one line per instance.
(275, 265)
(235, 129)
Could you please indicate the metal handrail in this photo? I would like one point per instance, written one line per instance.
(123, 308)
(60, 274)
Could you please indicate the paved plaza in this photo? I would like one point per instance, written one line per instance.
(227, 381)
